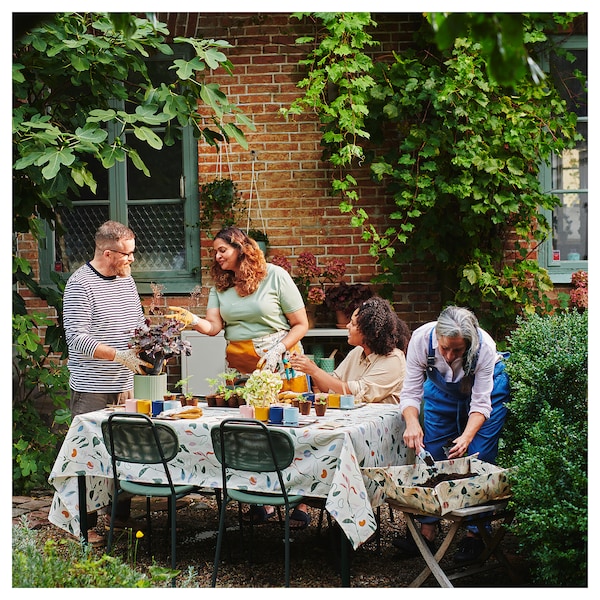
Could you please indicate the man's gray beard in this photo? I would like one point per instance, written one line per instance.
(124, 271)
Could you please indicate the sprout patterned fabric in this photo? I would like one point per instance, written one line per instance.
(329, 455)
(401, 483)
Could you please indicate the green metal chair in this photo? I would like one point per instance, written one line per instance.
(249, 445)
(135, 438)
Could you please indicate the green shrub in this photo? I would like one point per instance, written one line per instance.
(68, 564)
(545, 436)
(36, 377)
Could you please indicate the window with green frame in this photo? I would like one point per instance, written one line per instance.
(567, 175)
(162, 210)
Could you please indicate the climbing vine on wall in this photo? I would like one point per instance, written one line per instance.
(458, 153)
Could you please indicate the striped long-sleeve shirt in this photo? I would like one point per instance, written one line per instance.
(99, 310)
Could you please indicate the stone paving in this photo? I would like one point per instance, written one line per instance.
(36, 510)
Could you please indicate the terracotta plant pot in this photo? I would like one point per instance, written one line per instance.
(320, 408)
(211, 400)
(305, 407)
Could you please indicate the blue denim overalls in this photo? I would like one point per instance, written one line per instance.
(446, 411)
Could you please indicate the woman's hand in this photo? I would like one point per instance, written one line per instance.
(300, 362)
(273, 359)
(413, 433)
(184, 316)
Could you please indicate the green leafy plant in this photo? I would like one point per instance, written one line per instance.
(545, 438)
(36, 377)
(458, 153)
(181, 384)
(223, 382)
(220, 202)
(69, 564)
(262, 388)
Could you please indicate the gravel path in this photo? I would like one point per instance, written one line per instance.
(313, 554)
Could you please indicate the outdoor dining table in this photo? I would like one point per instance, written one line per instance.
(329, 454)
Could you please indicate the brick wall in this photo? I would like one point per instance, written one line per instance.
(292, 182)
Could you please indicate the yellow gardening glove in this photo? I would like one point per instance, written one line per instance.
(183, 316)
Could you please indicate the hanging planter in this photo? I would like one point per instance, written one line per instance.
(260, 237)
(220, 202)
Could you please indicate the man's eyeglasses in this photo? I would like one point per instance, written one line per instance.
(127, 254)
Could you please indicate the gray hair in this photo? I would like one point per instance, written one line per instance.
(456, 321)
(112, 231)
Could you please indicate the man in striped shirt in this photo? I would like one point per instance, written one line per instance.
(100, 311)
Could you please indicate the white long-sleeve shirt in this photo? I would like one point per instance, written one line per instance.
(416, 364)
(99, 310)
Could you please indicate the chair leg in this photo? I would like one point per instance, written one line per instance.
(287, 546)
(149, 525)
(219, 542)
(172, 522)
(113, 514)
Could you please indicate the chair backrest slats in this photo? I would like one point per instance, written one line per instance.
(247, 447)
(139, 440)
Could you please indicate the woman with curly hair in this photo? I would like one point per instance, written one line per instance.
(374, 370)
(256, 303)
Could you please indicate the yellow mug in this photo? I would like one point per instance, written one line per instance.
(144, 407)
(333, 400)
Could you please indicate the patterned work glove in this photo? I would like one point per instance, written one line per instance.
(130, 359)
(183, 316)
(273, 359)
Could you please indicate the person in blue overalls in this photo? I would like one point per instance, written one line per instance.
(454, 370)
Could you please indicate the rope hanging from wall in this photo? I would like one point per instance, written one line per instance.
(219, 164)
(254, 188)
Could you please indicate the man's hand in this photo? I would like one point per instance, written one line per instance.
(273, 359)
(131, 360)
(183, 316)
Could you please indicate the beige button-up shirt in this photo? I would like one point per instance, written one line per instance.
(373, 378)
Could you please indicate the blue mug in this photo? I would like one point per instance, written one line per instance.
(291, 415)
(157, 407)
(276, 415)
(347, 401)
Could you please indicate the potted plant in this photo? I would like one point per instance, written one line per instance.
(304, 405)
(225, 391)
(156, 344)
(345, 298)
(260, 237)
(311, 279)
(261, 390)
(320, 405)
(186, 397)
(219, 200)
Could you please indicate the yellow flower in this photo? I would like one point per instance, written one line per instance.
(139, 534)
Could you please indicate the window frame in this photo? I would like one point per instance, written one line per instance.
(560, 271)
(175, 282)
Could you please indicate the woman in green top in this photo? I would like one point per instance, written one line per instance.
(256, 303)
